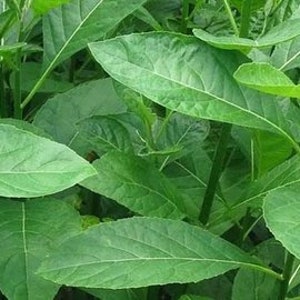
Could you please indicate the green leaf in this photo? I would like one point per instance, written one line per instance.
(128, 294)
(31, 72)
(106, 133)
(282, 176)
(251, 284)
(139, 252)
(28, 232)
(59, 115)
(32, 166)
(68, 28)
(185, 75)
(286, 55)
(41, 6)
(265, 78)
(278, 34)
(281, 212)
(136, 184)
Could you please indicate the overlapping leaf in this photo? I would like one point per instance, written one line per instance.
(188, 76)
(281, 212)
(280, 33)
(136, 184)
(139, 252)
(28, 232)
(265, 78)
(33, 166)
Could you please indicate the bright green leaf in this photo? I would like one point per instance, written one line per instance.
(185, 75)
(278, 34)
(136, 184)
(265, 78)
(139, 252)
(281, 212)
(32, 166)
(28, 232)
(42, 6)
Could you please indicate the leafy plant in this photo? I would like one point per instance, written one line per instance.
(149, 150)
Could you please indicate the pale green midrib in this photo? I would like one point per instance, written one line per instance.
(282, 132)
(289, 60)
(25, 249)
(55, 59)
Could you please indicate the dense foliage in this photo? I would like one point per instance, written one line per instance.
(149, 149)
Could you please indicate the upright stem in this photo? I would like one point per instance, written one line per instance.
(245, 18)
(3, 109)
(287, 271)
(185, 15)
(17, 87)
(231, 18)
(215, 173)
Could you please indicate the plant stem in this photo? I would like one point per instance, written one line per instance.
(3, 109)
(215, 173)
(17, 87)
(286, 275)
(245, 18)
(231, 18)
(185, 15)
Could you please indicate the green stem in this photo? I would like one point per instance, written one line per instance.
(17, 88)
(215, 173)
(245, 18)
(286, 275)
(185, 15)
(231, 18)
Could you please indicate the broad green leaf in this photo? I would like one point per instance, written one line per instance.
(59, 115)
(106, 133)
(136, 184)
(251, 284)
(286, 55)
(194, 297)
(29, 231)
(281, 213)
(188, 76)
(33, 166)
(139, 252)
(265, 78)
(41, 6)
(127, 294)
(278, 34)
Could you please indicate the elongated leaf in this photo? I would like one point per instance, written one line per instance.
(284, 175)
(28, 232)
(265, 78)
(188, 76)
(139, 252)
(32, 166)
(127, 294)
(281, 212)
(106, 133)
(69, 28)
(136, 184)
(280, 33)
(59, 115)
